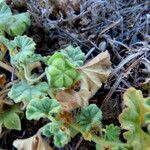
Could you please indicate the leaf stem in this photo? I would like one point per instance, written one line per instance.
(51, 94)
(27, 75)
(97, 139)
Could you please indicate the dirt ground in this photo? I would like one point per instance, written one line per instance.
(120, 26)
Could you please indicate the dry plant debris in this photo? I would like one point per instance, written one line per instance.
(105, 43)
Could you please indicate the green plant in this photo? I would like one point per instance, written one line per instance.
(12, 24)
(60, 72)
(64, 127)
(63, 71)
(74, 55)
(9, 117)
(134, 116)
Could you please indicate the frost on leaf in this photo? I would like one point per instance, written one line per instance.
(33, 143)
(22, 91)
(40, 108)
(89, 118)
(93, 74)
(60, 133)
(60, 73)
(74, 55)
(9, 117)
(133, 117)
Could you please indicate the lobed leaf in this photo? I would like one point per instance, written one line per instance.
(74, 55)
(10, 119)
(22, 48)
(89, 118)
(5, 13)
(133, 117)
(112, 133)
(93, 74)
(60, 73)
(40, 108)
(22, 91)
(13, 24)
(61, 134)
(17, 24)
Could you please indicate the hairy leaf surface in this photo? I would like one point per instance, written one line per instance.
(10, 119)
(89, 118)
(22, 48)
(22, 91)
(133, 117)
(13, 24)
(60, 73)
(61, 134)
(74, 55)
(40, 108)
(93, 74)
(112, 133)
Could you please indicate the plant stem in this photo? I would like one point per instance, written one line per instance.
(28, 78)
(97, 139)
(51, 94)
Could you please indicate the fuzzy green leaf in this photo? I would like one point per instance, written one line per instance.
(133, 117)
(147, 114)
(22, 91)
(74, 55)
(40, 108)
(60, 73)
(10, 119)
(89, 117)
(60, 133)
(13, 24)
(112, 133)
(17, 24)
(22, 48)
(5, 13)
